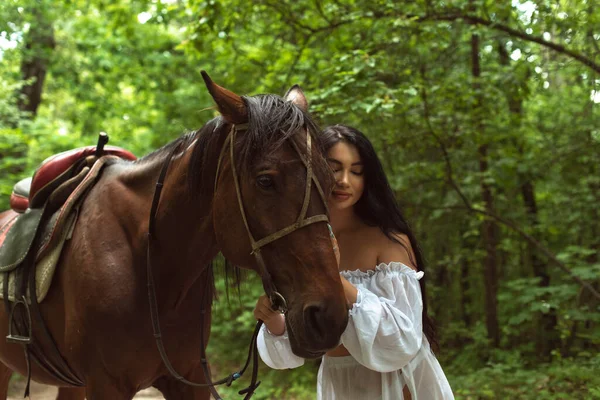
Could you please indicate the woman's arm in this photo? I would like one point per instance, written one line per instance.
(273, 343)
(385, 329)
(350, 291)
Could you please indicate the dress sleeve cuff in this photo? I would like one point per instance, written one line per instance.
(357, 304)
(284, 335)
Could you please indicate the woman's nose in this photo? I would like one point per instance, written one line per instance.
(343, 179)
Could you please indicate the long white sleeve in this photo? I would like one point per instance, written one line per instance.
(276, 351)
(385, 331)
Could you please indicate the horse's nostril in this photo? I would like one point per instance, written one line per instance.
(314, 318)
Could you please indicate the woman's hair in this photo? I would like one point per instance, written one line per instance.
(378, 205)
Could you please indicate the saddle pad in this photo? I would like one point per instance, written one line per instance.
(7, 220)
(44, 267)
(19, 239)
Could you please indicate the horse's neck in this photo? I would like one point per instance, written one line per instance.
(183, 229)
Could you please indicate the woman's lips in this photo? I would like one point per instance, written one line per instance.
(341, 196)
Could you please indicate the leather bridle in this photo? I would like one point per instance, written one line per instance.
(278, 301)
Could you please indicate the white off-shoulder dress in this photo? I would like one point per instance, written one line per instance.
(385, 339)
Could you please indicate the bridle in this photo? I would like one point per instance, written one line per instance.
(278, 301)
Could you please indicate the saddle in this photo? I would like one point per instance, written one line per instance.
(53, 187)
(43, 216)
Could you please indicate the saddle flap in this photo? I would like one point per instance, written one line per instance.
(19, 239)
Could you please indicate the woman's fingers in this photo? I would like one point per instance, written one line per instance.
(263, 309)
(274, 320)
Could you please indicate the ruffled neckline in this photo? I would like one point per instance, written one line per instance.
(383, 268)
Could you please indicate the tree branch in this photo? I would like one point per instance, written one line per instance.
(469, 207)
(291, 20)
(473, 20)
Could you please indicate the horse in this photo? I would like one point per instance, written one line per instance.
(246, 174)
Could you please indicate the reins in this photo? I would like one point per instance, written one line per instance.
(156, 319)
(277, 300)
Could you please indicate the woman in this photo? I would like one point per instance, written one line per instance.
(385, 350)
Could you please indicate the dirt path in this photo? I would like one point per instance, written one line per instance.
(42, 392)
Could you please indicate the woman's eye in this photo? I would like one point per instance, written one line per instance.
(357, 173)
(265, 181)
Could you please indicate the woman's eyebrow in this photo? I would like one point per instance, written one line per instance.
(333, 160)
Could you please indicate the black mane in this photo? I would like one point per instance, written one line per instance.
(271, 121)
(163, 152)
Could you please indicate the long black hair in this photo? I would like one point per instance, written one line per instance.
(378, 205)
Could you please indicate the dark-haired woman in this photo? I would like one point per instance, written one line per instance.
(385, 350)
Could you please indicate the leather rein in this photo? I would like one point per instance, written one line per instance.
(278, 302)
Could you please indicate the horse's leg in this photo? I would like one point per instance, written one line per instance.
(5, 374)
(173, 389)
(68, 393)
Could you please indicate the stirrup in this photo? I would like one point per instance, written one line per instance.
(19, 339)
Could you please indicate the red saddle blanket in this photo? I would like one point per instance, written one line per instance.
(7, 220)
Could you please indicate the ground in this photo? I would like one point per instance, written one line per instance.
(42, 392)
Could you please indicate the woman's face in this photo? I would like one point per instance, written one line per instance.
(347, 166)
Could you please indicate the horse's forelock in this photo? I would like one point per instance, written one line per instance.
(272, 121)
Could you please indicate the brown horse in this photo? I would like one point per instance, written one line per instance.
(97, 309)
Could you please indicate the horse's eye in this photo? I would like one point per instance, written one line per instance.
(265, 181)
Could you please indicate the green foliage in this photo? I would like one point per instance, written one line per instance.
(575, 378)
(232, 328)
(403, 73)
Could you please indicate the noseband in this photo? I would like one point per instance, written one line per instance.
(278, 302)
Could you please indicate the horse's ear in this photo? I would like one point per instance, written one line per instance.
(231, 106)
(296, 96)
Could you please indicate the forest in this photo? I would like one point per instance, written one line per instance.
(485, 113)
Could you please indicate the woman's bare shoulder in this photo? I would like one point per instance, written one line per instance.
(397, 250)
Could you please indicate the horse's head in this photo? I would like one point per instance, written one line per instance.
(270, 214)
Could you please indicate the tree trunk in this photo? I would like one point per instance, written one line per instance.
(489, 230)
(39, 45)
(547, 337)
(465, 300)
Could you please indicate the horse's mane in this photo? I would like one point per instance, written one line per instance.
(164, 151)
(271, 121)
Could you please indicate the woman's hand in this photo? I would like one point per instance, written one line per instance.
(274, 320)
(350, 292)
